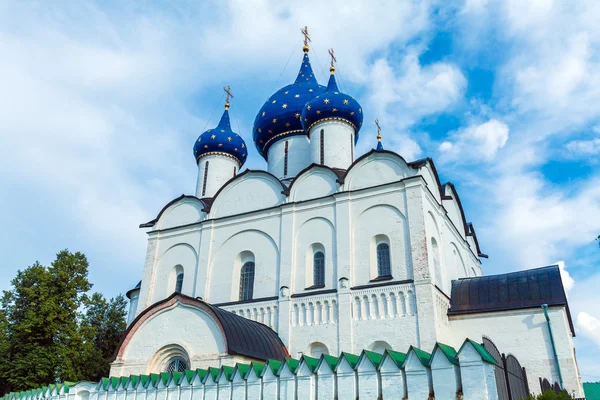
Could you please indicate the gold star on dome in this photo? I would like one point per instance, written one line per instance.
(286, 92)
(318, 112)
(243, 145)
(235, 149)
(222, 130)
(284, 105)
(259, 130)
(297, 115)
(274, 101)
(287, 124)
(310, 90)
(308, 108)
(264, 113)
(270, 131)
(305, 119)
(336, 92)
(303, 75)
(274, 120)
(206, 146)
(260, 141)
(352, 113)
(212, 136)
(220, 144)
(229, 139)
(334, 110)
(359, 110)
(199, 139)
(297, 96)
(326, 101)
(345, 101)
(243, 155)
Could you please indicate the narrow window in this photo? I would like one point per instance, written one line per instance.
(351, 148)
(319, 269)
(285, 160)
(247, 281)
(205, 177)
(383, 260)
(179, 282)
(322, 146)
(234, 171)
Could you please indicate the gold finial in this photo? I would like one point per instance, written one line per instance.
(378, 130)
(333, 59)
(306, 39)
(227, 90)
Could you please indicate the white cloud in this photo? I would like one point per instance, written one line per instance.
(584, 148)
(475, 143)
(567, 280)
(589, 326)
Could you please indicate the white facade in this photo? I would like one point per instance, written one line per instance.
(214, 170)
(332, 143)
(298, 156)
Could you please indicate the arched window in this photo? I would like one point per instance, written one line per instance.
(176, 364)
(179, 282)
(247, 281)
(319, 269)
(205, 178)
(383, 260)
(322, 139)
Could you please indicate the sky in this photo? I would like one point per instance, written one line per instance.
(102, 102)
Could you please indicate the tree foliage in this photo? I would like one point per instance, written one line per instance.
(52, 330)
(550, 395)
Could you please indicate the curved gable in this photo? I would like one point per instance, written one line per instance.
(181, 209)
(249, 191)
(229, 332)
(376, 168)
(313, 182)
(185, 211)
(426, 168)
(454, 209)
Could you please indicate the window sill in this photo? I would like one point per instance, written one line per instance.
(382, 278)
(313, 287)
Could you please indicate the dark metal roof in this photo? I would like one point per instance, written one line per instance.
(250, 338)
(516, 290)
(137, 287)
(243, 336)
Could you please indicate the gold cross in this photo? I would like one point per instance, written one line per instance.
(378, 130)
(306, 38)
(332, 54)
(227, 90)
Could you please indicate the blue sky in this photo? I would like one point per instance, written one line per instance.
(102, 103)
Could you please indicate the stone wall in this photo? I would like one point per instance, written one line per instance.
(444, 374)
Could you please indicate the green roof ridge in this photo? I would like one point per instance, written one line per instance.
(311, 362)
(448, 351)
(352, 359)
(228, 371)
(397, 357)
(244, 369)
(292, 364)
(274, 365)
(214, 373)
(178, 377)
(201, 374)
(134, 379)
(330, 360)
(423, 356)
(165, 377)
(485, 355)
(375, 358)
(258, 368)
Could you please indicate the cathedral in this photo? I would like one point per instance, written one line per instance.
(331, 266)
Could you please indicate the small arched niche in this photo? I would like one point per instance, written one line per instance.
(169, 357)
(379, 346)
(316, 349)
(245, 264)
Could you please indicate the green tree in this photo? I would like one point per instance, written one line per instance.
(550, 395)
(51, 330)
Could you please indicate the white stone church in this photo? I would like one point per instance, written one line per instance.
(331, 274)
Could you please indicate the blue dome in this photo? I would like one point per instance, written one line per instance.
(280, 115)
(333, 105)
(221, 140)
